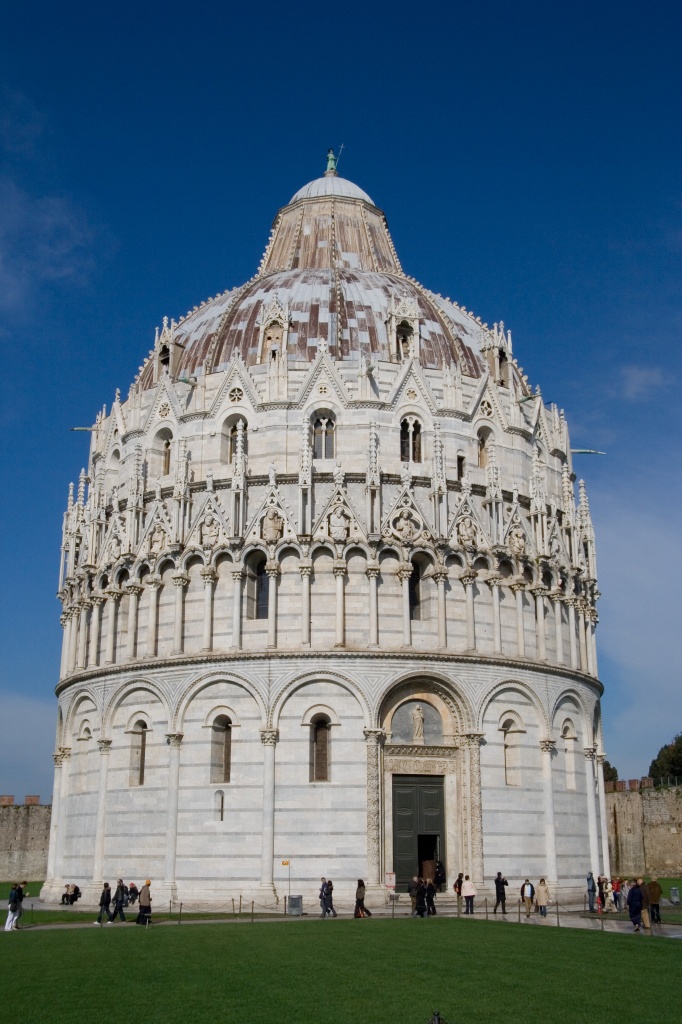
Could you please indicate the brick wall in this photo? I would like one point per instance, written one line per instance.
(645, 831)
(24, 840)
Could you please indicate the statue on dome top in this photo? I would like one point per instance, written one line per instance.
(331, 162)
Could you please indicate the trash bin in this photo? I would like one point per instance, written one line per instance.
(295, 906)
(674, 895)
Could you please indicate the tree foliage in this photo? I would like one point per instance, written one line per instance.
(610, 772)
(668, 761)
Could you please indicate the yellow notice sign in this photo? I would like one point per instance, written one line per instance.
(285, 863)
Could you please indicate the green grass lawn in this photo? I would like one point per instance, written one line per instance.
(338, 972)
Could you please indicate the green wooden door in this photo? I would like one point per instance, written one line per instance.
(418, 824)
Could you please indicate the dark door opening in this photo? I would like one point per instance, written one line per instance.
(418, 826)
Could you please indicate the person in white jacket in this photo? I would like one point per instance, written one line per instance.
(468, 892)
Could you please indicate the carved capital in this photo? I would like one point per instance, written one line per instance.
(104, 746)
(601, 758)
(208, 575)
(180, 579)
(97, 598)
(405, 570)
(134, 588)
(339, 567)
(547, 746)
(374, 737)
(269, 737)
(237, 575)
(153, 582)
(471, 739)
(113, 593)
(174, 739)
(468, 577)
(590, 753)
(440, 574)
(272, 569)
(372, 571)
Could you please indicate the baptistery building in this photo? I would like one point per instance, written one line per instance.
(328, 595)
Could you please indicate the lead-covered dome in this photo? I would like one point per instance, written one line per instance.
(329, 276)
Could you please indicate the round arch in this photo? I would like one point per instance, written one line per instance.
(318, 677)
(197, 685)
(522, 687)
(450, 691)
(131, 686)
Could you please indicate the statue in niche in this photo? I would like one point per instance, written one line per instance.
(517, 540)
(417, 716)
(209, 479)
(405, 475)
(115, 504)
(115, 547)
(157, 490)
(339, 523)
(338, 474)
(272, 474)
(405, 527)
(272, 526)
(466, 532)
(209, 531)
(157, 540)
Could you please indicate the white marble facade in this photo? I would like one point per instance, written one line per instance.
(329, 498)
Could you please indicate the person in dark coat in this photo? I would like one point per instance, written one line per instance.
(360, 908)
(329, 899)
(646, 904)
(132, 893)
(119, 901)
(430, 898)
(421, 899)
(528, 895)
(655, 893)
(440, 879)
(500, 893)
(104, 904)
(145, 897)
(458, 891)
(591, 890)
(635, 901)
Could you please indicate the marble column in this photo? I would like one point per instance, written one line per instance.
(589, 638)
(547, 747)
(558, 628)
(440, 576)
(97, 602)
(594, 619)
(584, 664)
(54, 818)
(404, 574)
(468, 579)
(63, 665)
(112, 599)
(64, 754)
(340, 576)
(272, 569)
(375, 739)
(541, 645)
(472, 745)
(209, 576)
(518, 589)
(590, 753)
(373, 578)
(305, 568)
(83, 633)
(606, 860)
(269, 741)
(153, 584)
(174, 745)
(570, 601)
(494, 582)
(237, 577)
(180, 581)
(134, 591)
(73, 637)
(101, 821)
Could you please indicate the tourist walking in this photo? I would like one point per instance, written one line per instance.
(500, 893)
(420, 907)
(615, 885)
(119, 901)
(646, 904)
(329, 899)
(528, 895)
(459, 881)
(145, 897)
(323, 886)
(360, 908)
(624, 890)
(412, 887)
(430, 898)
(468, 892)
(104, 904)
(542, 897)
(132, 893)
(12, 907)
(635, 906)
(591, 891)
(655, 892)
(21, 891)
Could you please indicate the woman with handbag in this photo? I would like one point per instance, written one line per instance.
(360, 908)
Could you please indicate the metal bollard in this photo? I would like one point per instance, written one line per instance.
(180, 915)
(486, 908)
(233, 906)
(558, 922)
(285, 906)
(251, 911)
(518, 903)
(240, 903)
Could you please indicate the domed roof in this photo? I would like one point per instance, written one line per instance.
(330, 272)
(331, 185)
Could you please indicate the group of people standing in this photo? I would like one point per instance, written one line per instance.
(124, 896)
(530, 895)
(422, 893)
(15, 908)
(615, 895)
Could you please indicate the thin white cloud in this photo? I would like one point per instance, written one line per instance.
(641, 383)
(42, 240)
(28, 738)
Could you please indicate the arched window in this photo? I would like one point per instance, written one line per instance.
(410, 440)
(404, 335)
(504, 369)
(568, 737)
(219, 805)
(164, 358)
(272, 341)
(138, 752)
(324, 430)
(230, 432)
(160, 455)
(461, 467)
(418, 586)
(166, 456)
(320, 747)
(257, 588)
(483, 441)
(221, 749)
(511, 732)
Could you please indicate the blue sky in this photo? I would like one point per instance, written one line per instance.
(528, 158)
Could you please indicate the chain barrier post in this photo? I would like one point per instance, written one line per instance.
(486, 908)
(251, 911)
(558, 922)
(233, 906)
(518, 904)
(180, 914)
(285, 904)
(240, 904)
